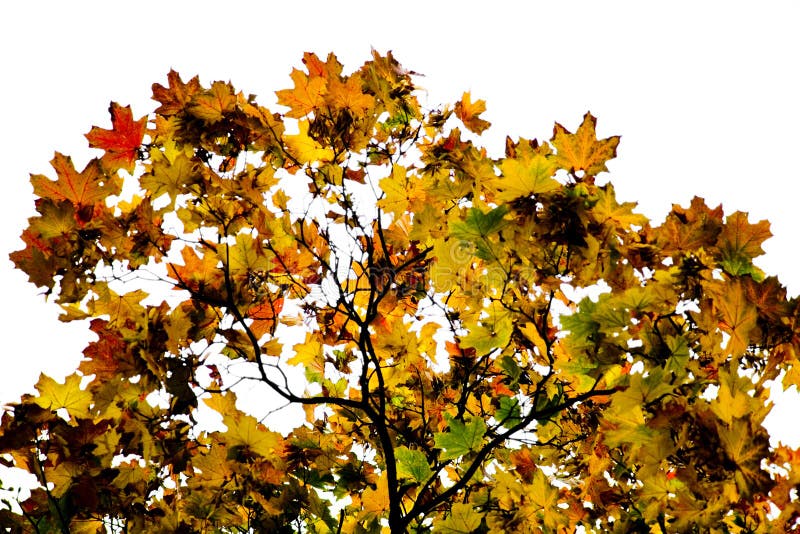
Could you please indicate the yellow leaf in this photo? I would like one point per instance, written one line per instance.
(246, 431)
(248, 256)
(309, 355)
(349, 95)
(582, 151)
(530, 331)
(222, 403)
(608, 209)
(530, 173)
(374, 502)
(462, 519)
(467, 111)
(122, 310)
(87, 526)
(62, 476)
(401, 191)
(170, 174)
(304, 149)
(747, 449)
(732, 399)
(69, 395)
(212, 104)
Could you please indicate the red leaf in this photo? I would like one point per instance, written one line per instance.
(122, 142)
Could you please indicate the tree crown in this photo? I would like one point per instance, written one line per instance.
(464, 343)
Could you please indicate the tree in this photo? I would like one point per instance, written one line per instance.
(465, 343)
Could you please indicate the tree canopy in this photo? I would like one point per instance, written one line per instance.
(454, 341)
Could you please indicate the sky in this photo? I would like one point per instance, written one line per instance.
(704, 95)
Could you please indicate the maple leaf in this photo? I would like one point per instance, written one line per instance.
(621, 215)
(245, 431)
(212, 105)
(461, 439)
(247, 256)
(737, 315)
(308, 93)
(169, 175)
(309, 355)
(690, 228)
(122, 141)
(83, 189)
(740, 242)
(626, 423)
(57, 219)
(733, 401)
(401, 190)
(528, 174)
(69, 395)
(412, 463)
(305, 149)
(215, 469)
(490, 334)
(123, 310)
(374, 502)
(462, 519)
(769, 296)
(349, 95)
(582, 151)
(35, 259)
(508, 413)
(467, 111)
(264, 315)
(198, 273)
(746, 450)
(477, 228)
(175, 97)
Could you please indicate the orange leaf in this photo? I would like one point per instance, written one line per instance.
(122, 141)
(349, 95)
(263, 315)
(306, 96)
(316, 68)
(769, 297)
(174, 98)
(736, 314)
(198, 273)
(467, 111)
(84, 189)
(524, 463)
(313, 64)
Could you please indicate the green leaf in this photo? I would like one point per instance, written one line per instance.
(477, 227)
(582, 324)
(461, 439)
(412, 463)
(511, 368)
(508, 413)
(679, 355)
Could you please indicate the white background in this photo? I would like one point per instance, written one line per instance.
(704, 95)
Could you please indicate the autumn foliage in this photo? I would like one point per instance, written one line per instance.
(453, 341)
